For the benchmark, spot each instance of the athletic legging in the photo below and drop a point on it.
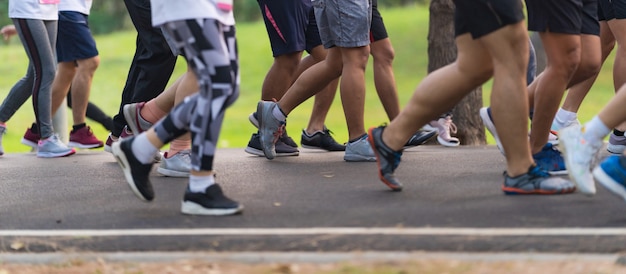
(39, 39)
(210, 49)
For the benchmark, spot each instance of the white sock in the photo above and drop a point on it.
(278, 114)
(198, 184)
(563, 117)
(143, 150)
(595, 130)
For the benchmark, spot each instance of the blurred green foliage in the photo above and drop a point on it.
(110, 15)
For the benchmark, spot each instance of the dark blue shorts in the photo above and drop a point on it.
(377, 30)
(563, 16)
(74, 39)
(481, 17)
(611, 9)
(291, 25)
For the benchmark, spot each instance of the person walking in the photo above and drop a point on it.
(36, 23)
(204, 31)
(481, 28)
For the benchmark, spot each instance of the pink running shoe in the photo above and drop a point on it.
(444, 126)
(84, 138)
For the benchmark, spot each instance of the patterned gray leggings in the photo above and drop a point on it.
(210, 49)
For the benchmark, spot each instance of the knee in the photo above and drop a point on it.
(89, 65)
(383, 56)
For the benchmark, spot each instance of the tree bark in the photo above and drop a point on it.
(441, 52)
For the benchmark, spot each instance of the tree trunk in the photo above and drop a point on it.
(441, 52)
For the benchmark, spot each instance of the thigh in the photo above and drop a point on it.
(481, 17)
(343, 23)
(558, 16)
(286, 22)
(74, 39)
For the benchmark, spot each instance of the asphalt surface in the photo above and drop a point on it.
(451, 202)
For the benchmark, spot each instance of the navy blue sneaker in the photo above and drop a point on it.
(612, 175)
(551, 160)
(420, 137)
(386, 158)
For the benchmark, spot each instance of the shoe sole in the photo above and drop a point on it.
(131, 119)
(431, 135)
(191, 208)
(120, 156)
(358, 158)
(29, 143)
(55, 155)
(517, 191)
(172, 173)
(258, 152)
(615, 149)
(610, 184)
(253, 120)
(484, 115)
(83, 146)
(370, 139)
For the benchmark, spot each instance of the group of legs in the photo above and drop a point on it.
(291, 33)
(71, 41)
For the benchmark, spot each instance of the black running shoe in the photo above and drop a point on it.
(136, 173)
(282, 149)
(420, 137)
(211, 202)
(321, 140)
(287, 140)
(386, 158)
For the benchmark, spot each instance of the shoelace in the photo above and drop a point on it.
(538, 172)
(449, 125)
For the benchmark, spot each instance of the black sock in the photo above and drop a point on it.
(34, 128)
(77, 127)
(618, 133)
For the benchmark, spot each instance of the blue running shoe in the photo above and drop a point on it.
(270, 128)
(551, 160)
(386, 158)
(612, 175)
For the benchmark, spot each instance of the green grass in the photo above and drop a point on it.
(408, 29)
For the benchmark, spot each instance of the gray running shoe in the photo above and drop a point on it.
(270, 128)
(536, 181)
(359, 151)
(178, 165)
(133, 118)
(321, 140)
(386, 158)
(282, 149)
(52, 147)
(617, 144)
(3, 129)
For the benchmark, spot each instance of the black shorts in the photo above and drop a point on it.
(74, 39)
(481, 17)
(611, 9)
(377, 29)
(290, 25)
(563, 16)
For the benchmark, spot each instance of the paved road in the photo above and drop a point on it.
(315, 202)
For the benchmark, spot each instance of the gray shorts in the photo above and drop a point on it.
(344, 23)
